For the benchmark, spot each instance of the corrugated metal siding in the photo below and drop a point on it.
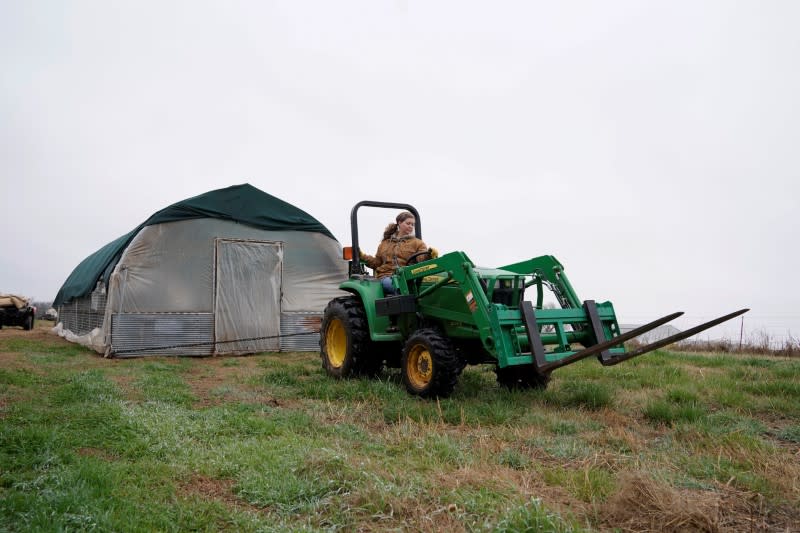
(82, 315)
(304, 324)
(141, 334)
(138, 334)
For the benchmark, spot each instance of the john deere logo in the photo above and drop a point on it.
(415, 271)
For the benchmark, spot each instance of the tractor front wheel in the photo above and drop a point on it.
(345, 346)
(430, 365)
(521, 377)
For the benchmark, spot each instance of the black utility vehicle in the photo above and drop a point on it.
(16, 311)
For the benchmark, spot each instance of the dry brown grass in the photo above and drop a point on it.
(643, 504)
(759, 343)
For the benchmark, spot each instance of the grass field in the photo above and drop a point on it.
(666, 442)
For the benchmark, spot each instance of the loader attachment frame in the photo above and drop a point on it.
(601, 348)
(517, 332)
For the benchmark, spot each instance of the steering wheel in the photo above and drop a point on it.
(414, 258)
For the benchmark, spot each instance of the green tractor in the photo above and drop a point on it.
(448, 313)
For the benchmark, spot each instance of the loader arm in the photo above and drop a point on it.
(501, 327)
(515, 332)
(546, 270)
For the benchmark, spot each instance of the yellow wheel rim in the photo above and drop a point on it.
(336, 343)
(420, 367)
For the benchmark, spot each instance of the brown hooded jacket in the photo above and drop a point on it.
(392, 253)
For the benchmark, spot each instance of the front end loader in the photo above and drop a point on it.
(448, 313)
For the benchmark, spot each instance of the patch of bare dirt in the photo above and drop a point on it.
(643, 504)
(209, 380)
(96, 452)
(220, 490)
(125, 384)
(15, 360)
(41, 331)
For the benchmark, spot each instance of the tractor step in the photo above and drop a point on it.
(395, 305)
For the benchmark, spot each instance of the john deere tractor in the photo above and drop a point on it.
(448, 313)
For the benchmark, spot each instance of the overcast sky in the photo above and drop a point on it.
(652, 147)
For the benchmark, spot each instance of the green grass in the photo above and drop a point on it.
(270, 443)
(791, 434)
(533, 516)
(589, 485)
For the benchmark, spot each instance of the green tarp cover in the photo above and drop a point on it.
(240, 203)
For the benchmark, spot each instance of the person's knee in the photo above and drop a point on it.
(388, 288)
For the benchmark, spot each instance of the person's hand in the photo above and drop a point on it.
(362, 255)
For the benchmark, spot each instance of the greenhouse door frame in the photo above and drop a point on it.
(248, 285)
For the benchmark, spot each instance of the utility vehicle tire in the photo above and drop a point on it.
(522, 377)
(28, 323)
(430, 365)
(345, 347)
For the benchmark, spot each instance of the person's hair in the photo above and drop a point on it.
(391, 229)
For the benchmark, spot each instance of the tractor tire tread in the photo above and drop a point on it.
(447, 364)
(360, 360)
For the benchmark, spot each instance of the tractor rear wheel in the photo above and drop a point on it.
(430, 365)
(522, 377)
(345, 346)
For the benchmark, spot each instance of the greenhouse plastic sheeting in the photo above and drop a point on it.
(243, 203)
(248, 287)
(244, 276)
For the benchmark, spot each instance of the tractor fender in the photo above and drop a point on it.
(368, 290)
